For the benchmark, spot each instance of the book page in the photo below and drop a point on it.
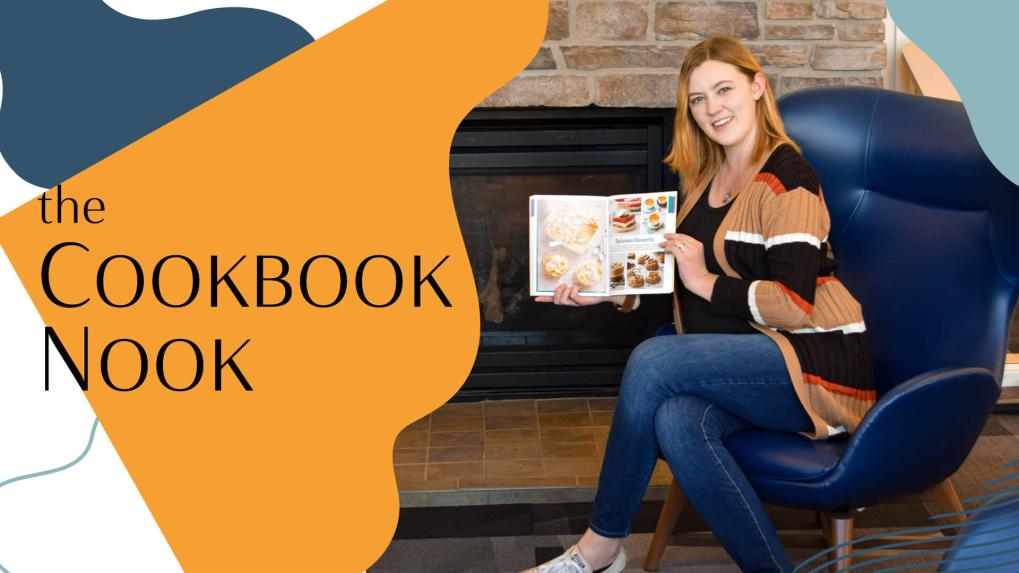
(637, 265)
(569, 243)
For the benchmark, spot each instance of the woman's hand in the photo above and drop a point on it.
(689, 253)
(568, 295)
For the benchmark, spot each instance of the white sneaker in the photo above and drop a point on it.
(573, 562)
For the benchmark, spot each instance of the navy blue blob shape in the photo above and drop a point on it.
(81, 80)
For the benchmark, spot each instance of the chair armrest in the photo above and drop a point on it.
(917, 435)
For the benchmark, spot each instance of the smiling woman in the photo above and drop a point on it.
(720, 128)
(770, 337)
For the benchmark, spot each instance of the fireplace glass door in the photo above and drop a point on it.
(497, 161)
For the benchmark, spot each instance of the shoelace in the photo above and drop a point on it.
(567, 560)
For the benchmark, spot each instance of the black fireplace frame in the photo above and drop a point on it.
(515, 129)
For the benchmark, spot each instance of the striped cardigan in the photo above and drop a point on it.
(779, 275)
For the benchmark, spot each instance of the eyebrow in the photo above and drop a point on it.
(712, 87)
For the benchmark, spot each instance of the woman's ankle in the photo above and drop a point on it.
(598, 550)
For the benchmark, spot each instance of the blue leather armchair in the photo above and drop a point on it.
(926, 232)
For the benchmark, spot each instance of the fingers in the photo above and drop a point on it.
(561, 292)
(680, 242)
(565, 295)
(674, 246)
(568, 295)
(679, 238)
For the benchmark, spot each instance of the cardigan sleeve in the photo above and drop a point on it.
(794, 225)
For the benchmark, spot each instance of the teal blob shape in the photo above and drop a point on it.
(975, 44)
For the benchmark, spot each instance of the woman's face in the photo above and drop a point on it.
(723, 102)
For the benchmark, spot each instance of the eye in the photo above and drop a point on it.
(724, 89)
(696, 100)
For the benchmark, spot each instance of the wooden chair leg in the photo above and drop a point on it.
(675, 503)
(944, 495)
(840, 530)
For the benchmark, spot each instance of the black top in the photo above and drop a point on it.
(702, 223)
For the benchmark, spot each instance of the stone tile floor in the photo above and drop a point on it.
(508, 444)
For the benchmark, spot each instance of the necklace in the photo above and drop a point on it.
(727, 194)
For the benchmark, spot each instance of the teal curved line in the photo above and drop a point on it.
(820, 555)
(992, 567)
(878, 536)
(1001, 479)
(915, 530)
(917, 553)
(859, 553)
(992, 494)
(975, 511)
(88, 447)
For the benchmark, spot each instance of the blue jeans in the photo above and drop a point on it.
(683, 396)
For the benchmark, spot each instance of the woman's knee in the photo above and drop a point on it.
(655, 348)
(646, 366)
(686, 420)
(679, 419)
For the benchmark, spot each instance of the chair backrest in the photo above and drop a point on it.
(925, 229)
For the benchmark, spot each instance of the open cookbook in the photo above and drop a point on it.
(608, 245)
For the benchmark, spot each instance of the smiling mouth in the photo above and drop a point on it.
(722, 122)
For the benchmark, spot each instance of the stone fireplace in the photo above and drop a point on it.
(592, 115)
(625, 53)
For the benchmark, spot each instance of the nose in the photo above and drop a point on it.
(714, 106)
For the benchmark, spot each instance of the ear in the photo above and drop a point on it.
(757, 85)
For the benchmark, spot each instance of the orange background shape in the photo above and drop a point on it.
(340, 149)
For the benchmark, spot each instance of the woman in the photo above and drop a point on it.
(771, 338)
